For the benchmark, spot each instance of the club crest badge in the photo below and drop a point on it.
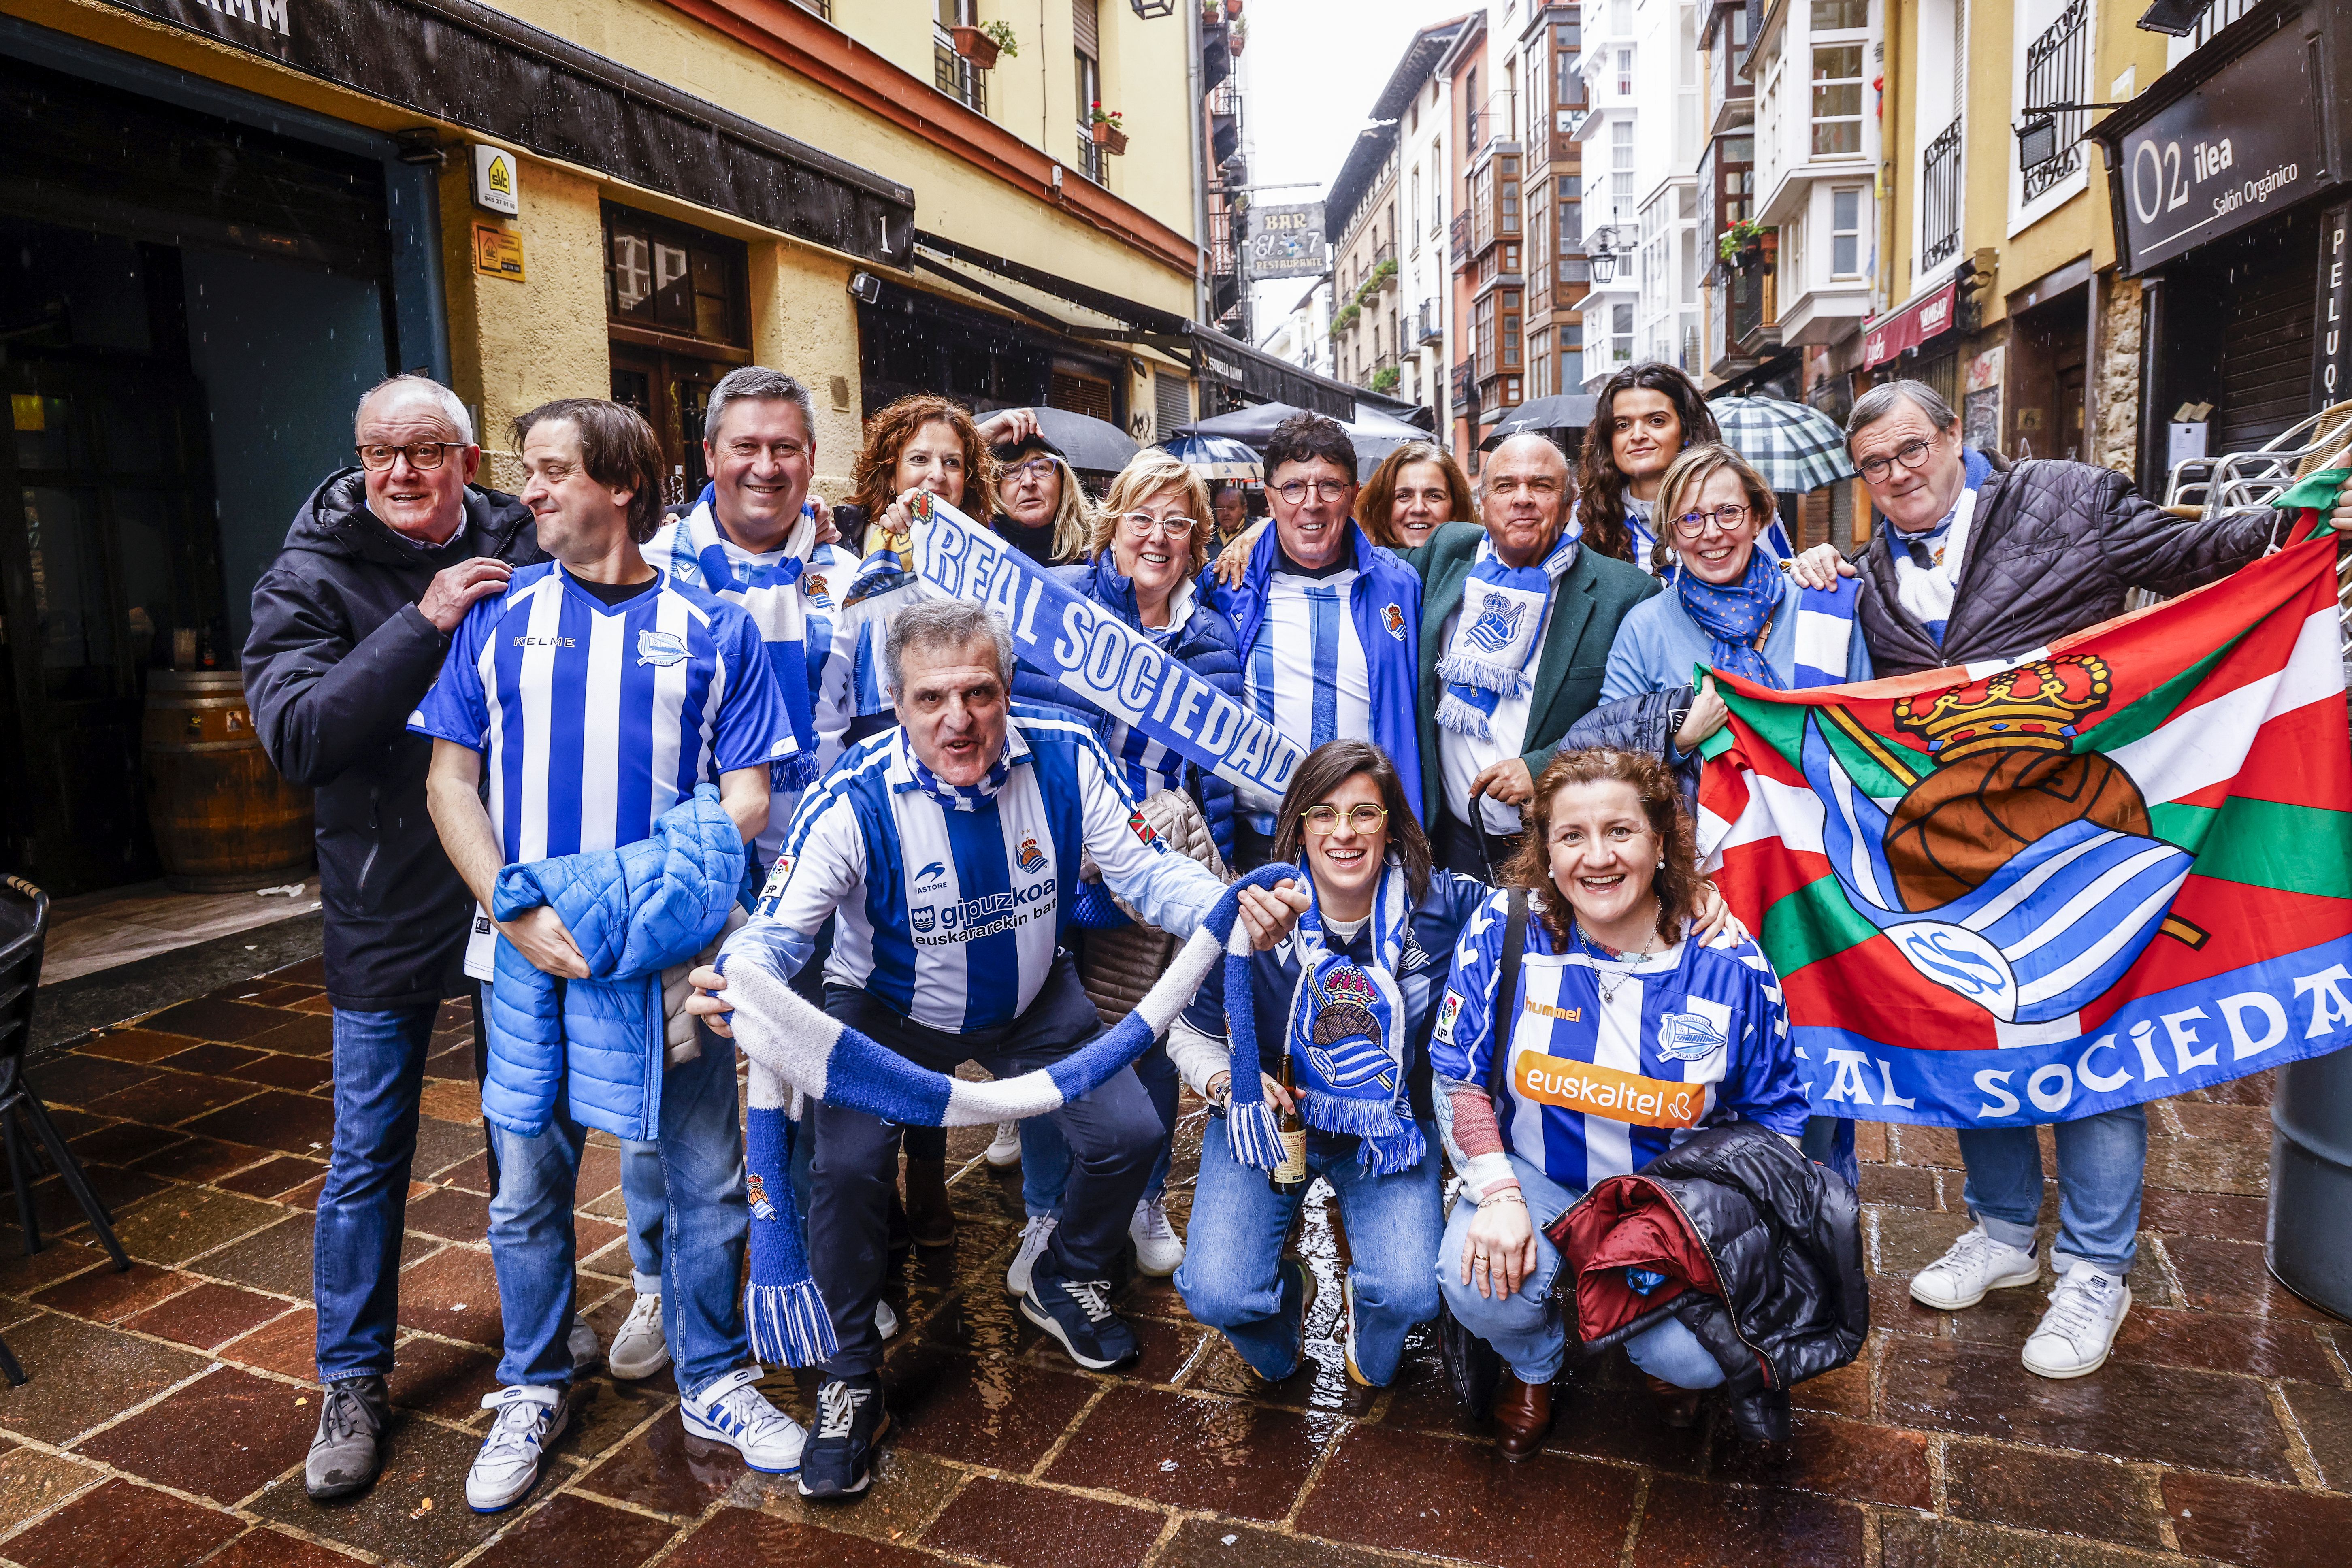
(756, 1191)
(1032, 859)
(1392, 617)
(1688, 1037)
(924, 917)
(660, 648)
(1497, 625)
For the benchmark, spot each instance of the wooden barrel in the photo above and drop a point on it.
(225, 822)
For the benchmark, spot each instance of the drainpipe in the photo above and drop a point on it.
(2090, 365)
(1195, 109)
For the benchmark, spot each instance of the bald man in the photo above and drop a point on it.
(351, 624)
(1515, 624)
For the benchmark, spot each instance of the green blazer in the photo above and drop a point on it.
(1592, 598)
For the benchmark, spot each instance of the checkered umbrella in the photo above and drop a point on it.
(1795, 447)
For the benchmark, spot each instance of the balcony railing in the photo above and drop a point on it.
(1431, 320)
(2054, 70)
(1461, 228)
(1940, 218)
(956, 76)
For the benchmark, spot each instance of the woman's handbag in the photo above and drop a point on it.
(1472, 1367)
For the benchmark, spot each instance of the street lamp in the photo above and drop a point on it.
(1605, 267)
(1607, 247)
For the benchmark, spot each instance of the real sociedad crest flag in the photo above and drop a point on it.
(2117, 868)
(1094, 655)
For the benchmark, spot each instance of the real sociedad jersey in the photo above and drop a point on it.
(1305, 673)
(1594, 1089)
(595, 720)
(951, 917)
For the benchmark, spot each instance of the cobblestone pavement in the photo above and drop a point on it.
(170, 1407)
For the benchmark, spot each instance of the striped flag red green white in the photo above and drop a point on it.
(2117, 868)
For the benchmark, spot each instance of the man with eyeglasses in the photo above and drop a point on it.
(1327, 621)
(351, 624)
(1516, 623)
(1981, 563)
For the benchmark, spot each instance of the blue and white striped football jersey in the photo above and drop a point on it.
(951, 918)
(593, 721)
(1594, 1089)
(1306, 672)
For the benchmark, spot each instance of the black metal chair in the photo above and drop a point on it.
(24, 929)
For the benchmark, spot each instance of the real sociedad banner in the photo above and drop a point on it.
(1096, 656)
(2118, 869)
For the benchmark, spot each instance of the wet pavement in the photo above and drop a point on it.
(170, 1407)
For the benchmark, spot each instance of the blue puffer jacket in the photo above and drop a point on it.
(634, 912)
(1645, 721)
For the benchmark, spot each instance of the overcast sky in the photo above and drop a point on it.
(1311, 72)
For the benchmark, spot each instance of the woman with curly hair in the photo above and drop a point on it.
(923, 442)
(1630, 1030)
(1417, 489)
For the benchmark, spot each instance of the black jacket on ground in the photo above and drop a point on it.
(339, 657)
(1784, 1237)
(2052, 548)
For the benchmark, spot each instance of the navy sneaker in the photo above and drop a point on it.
(1077, 1313)
(838, 1464)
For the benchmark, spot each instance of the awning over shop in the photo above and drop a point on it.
(1931, 316)
(468, 65)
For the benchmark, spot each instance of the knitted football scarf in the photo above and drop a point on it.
(1495, 642)
(1738, 616)
(795, 1049)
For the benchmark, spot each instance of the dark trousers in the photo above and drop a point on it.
(1114, 1134)
(1455, 847)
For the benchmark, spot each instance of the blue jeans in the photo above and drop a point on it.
(1525, 1328)
(704, 1224)
(379, 1062)
(1046, 1153)
(646, 1200)
(1232, 1278)
(2102, 1161)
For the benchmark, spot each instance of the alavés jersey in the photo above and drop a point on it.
(1305, 673)
(951, 918)
(1594, 1089)
(595, 720)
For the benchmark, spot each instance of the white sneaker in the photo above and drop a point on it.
(2075, 1334)
(638, 1348)
(731, 1410)
(885, 1321)
(586, 1354)
(1972, 1265)
(528, 1419)
(1033, 1237)
(1157, 1248)
(1004, 1149)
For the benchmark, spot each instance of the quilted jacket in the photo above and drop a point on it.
(2053, 548)
(634, 912)
(1645, 722)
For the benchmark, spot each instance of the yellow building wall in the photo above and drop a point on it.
(803, 315)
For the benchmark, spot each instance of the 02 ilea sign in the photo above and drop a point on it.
(2240, 146)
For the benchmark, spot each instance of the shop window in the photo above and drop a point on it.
(1845, 233)
(1837, 99)
(673, 278)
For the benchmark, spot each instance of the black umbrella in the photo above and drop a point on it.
(1085, 443)
(1560, 411)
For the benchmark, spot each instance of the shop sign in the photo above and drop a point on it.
(2240, 146)
(494, 180)
(498, 251)
(1287, 241)
(1911, 326)
(2331, 367)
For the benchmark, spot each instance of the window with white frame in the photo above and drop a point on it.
(1845, 232)
(1836, 99)
(1620, 170)
(1571, 353)
(1624, 73)
(1621, 334)
(1413, 206)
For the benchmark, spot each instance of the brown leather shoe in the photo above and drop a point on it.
(930, 1220)
(1522, 1412)
(1677, 1407)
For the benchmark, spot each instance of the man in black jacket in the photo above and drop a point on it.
(351, 624)
(1976, 564)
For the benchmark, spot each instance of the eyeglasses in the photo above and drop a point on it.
(1141, 523)
(423, 455)
(1323, 821)
(1911, 454)
(1726, 517)
(1324, 489)
(1035, 469)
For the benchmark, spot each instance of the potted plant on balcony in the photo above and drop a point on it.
(981, 45)
(1742, 244)
(1234, 8)
(1385, 379)
(1110, 132)
(1236, 35)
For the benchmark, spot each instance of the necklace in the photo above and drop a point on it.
(1597, 950)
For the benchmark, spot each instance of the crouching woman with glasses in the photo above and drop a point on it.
(1348, 999)
(1626, 1032)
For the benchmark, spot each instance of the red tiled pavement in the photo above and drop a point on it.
(170, 1407)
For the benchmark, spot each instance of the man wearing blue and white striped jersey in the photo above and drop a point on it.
(941, 849)
(596, 694)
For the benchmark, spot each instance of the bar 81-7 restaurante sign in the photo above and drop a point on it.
(2239, 146)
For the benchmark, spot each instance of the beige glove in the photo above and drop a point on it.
(681, 1041)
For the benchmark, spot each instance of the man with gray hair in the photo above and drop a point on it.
(351, 624)
(942, 849)
(1980, 563)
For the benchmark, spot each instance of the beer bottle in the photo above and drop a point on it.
(1289, 1178)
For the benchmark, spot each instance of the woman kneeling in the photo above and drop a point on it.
(1628, 1032)
(1349, 998)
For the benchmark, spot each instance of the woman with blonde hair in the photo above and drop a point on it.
(1041, 510)
(1417, 489)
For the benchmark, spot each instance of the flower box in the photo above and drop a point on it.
(975, 46)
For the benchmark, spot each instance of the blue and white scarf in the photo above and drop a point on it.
(768, 586)
(1499, 636)
(962, 797)
(797, 1050)
(1927, 565)
(1738, 618)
